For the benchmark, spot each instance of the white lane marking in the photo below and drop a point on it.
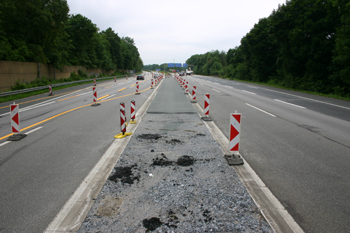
(109, 97)
(29, 108)
(43, 103)
(33, 130)
(37, 106)
(228, 86)
(335, 105)
(249, 92)
(289, 103)
(252, 87)
(4, 143)
(260, 110)
(85, 93)
(216, 90)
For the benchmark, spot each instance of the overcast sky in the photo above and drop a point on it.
(172, 31)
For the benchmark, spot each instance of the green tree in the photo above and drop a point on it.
(30, 30)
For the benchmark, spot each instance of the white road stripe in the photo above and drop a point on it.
(249, 92)
(109, 97)
(216, 90)
(228, 86)
(29, 108)
(252, 87)
(33, 130)
(37, 106)
(308, 99)
(260, 110)
(289, 103)
(4, 143)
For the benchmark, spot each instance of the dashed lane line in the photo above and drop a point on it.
(102, 97)
(260, 110)
(29, 132)
(289, 103)
(249, 92)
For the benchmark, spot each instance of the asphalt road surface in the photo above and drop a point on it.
(39, 173)
(299, 145)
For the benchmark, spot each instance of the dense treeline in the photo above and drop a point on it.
(304, 44)
(43, 31)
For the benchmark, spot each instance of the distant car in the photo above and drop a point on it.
(140, 77)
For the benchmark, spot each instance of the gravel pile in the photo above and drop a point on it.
(172, 177)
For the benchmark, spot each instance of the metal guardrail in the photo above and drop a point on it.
(46, 86)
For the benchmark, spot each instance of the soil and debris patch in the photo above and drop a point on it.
(151, 224)
(170, 185)
(124, 174)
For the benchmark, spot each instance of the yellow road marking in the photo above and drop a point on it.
(108, 87)
(102, 97)
(122, 89)
(71, 110)
(67, 98)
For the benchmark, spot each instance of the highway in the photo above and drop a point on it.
(298, 144)
(39, 173)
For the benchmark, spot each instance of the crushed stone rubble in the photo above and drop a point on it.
(172, 177)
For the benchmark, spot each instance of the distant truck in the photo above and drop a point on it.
(189, 71)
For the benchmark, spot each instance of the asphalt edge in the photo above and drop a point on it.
(72, 214)
(270, 207)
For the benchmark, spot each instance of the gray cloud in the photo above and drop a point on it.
(167, 30)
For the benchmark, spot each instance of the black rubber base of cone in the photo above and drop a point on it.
(193, 101)
(206, 118)
(137, 93)
(186, 93)
(50, 95)
(96, 104)
(234, 160)
(17, 137)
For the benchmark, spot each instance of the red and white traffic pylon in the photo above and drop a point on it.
(122, 123)
(132, 112)
(14, 113)
(94, 96)
(115, 79)
(235, 133)
(194, 97)
(206, 107)
(206, 104)
(137, 88)
(94, 82)
(122, 118)
(152, 83)
(50, 90)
